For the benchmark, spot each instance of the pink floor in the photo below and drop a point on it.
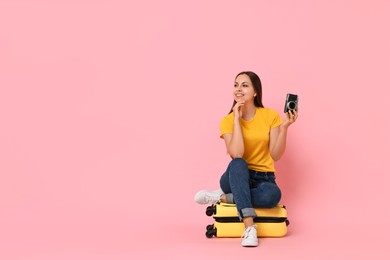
(111, 235)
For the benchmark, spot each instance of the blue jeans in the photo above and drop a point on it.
(249, 189)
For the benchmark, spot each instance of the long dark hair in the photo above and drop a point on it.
(256, 83)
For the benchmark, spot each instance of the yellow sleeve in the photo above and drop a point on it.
(226, 125)
(275, 119)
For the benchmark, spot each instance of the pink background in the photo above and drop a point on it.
(110, 120)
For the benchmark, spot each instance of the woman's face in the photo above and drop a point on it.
(243, 89)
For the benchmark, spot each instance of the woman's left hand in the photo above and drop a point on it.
(291, 117)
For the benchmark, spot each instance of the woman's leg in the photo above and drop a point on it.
(235, 184)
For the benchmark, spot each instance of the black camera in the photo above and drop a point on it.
(291, 103)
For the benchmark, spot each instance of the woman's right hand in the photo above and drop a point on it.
(237, 109)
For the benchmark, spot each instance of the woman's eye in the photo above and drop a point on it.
(245, 86)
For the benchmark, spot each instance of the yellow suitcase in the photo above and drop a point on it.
(271, 222)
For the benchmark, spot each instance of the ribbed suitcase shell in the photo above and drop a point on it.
(271, 222)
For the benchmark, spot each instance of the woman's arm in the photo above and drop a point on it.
(235, 141)
(278, 136)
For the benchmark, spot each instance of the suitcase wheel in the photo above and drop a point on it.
(210, 227)
(210, 210)
(210, 233)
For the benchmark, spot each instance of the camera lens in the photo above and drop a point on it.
(291, 105)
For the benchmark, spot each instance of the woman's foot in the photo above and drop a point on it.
(250, 237)
(208, 197)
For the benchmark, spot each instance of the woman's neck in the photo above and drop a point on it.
(248, 112)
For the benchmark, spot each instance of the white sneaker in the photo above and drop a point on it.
(250, 237)
(208, 197)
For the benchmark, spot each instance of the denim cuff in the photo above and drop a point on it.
(247, 212)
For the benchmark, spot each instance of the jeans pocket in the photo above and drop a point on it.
(256, 181)
(252, 183)
(271, 178)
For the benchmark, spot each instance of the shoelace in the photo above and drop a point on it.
(213, 198)
(247, 231)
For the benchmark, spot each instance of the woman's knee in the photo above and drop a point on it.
(275, 197)
(238, 165)
(267, 196)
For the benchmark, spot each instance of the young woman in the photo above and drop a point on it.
(255, 137)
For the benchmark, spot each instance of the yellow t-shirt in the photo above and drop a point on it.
(256, 137)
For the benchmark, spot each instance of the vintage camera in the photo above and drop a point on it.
(291, 103)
